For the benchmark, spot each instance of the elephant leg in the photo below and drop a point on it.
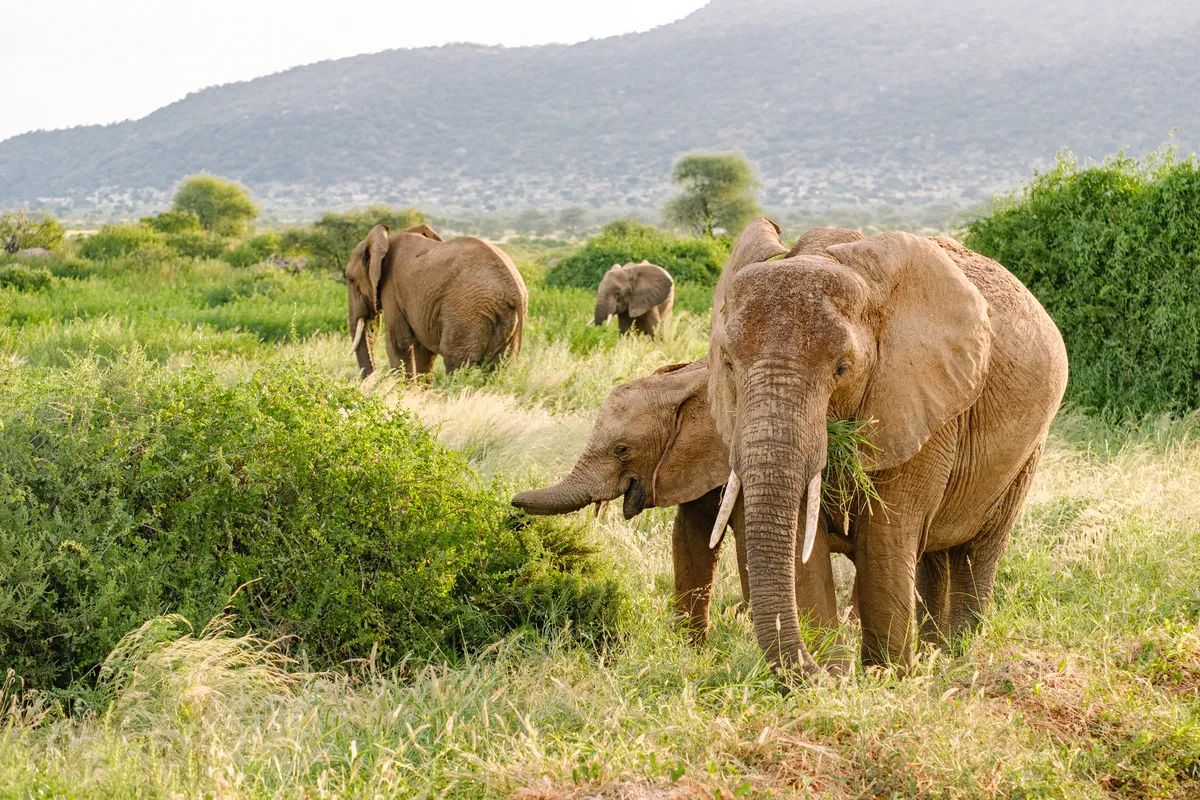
(399, 341)
(423, 358)
(695, 563)
(887, 545)
(624, 323)
(973, 565)
(933, 599)
(464, 340)
(647, 323)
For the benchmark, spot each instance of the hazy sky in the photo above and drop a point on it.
(77, 62)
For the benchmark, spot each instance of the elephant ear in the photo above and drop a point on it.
(817, 241)
(376, 248)
(424, 230)
(695, 460)
(934, 341)
(651, 286)
(758, 242)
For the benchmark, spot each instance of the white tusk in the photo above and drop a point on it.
(358, 334)
(732, 488)
(813, 509)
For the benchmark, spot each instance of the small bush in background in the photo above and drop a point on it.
(254, 251)
(196, 244)
(688, 260)
(24, 278)
(116, 241)
(132, 491)
(173, 222)
(1113, 252)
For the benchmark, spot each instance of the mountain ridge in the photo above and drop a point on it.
(860, 102)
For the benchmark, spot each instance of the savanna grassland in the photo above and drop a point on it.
(1082, 682)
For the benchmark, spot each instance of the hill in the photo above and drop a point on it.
(937, 100)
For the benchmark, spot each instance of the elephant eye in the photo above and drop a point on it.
(621, 450)
(843, 364)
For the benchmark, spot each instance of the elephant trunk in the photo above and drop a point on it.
(361, 316)
(783, 441)
(570, 494)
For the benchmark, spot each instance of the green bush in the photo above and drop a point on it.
(74, 268)
(19, 231)
(115, 241)
(131, 491)
(1112, 251)
(196, 244)
(330, 240)
(173, 222)
(24, 278)
(688, 260)
(254, 251)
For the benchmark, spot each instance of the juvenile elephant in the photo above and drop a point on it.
(641, 295)
(959, 368)
(463, 300)
(654, 441)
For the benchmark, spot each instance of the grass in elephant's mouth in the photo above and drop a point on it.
(847, 486)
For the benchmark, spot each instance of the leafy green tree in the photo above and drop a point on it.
(19, 231)
(222, 206)
(688, 260)
(716, 191)
(535, 221)
(573, 220)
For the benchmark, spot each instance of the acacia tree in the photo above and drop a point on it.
(573, 219)
(223, 207)
(717, 191)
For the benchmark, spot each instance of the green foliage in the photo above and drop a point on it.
(222, 206)
(330, 240)
(254, 251)
(196, 243)
(534, 221)
(19, 231)
(130, 491)
(1112, 252)
(116, 241)
(716, 191)
(688, 260)
(24, 278)
(173, 221)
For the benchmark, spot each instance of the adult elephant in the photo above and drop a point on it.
(641, 295)
(960, 370)
(654, 441)
(463, 300)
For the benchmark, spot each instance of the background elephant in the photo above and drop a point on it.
(654, 441)
(959, 368)
(463, 300)
(641, 295)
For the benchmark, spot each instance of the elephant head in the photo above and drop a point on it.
(653, 442)
(364, 274)
(886, 329)
(632, 289)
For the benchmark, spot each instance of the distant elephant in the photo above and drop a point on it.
(958, 367)
(641, 295)
(463, 300)
(654, 441)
